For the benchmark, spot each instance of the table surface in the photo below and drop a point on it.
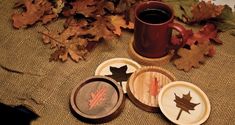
(45, 86)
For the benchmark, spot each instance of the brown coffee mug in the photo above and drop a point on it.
(153, 29)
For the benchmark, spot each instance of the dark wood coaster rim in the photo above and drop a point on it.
(98, 119)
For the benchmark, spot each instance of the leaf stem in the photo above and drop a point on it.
(179, 114)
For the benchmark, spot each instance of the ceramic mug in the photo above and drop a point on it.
(153, 29)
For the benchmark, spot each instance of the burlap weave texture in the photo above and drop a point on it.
(45, 86)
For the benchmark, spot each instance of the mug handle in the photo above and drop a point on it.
(180, 28)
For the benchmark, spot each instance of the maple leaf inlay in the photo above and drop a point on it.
(97, 97)
(154, 87)
(119, 74)
(184, 104)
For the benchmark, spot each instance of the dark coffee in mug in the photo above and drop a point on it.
(154, 16)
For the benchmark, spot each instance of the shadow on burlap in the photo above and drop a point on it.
(45, 86)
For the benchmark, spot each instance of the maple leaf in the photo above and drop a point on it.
(119, 22)
(98, 97)
(119, 74)
(192, 57)
(184, 104)
(154, 87)
(205, 10)
(84, 7)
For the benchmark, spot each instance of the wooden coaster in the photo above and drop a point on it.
(97, 99)
(145, 84)
(148, 61)
(120, 69)
(183, 103)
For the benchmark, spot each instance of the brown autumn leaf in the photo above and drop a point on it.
(184, 104)
(67, 43)
(119, 22)
(84, 7)
(101, 28)
(97, 97)
(34, 11)
(191, 58)
(103, 6)
(206, 34)
(205, 10)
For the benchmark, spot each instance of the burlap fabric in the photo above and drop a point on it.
(45, 86)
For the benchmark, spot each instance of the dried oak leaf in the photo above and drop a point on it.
(124, 5)
(119, 22)
(84, 7)
(67, 43)
(34, 11)
(206, 34)
(103, 6)
(72, 22)
(101, 28)
(205, 10)
(192, 57)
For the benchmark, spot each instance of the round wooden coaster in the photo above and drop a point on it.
(120, 69)
(183, 103)
(97, 99)
(145, 84)
(148, 61)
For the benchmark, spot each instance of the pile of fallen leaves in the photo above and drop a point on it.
(87, 22)
(91, 21)
(200, 44)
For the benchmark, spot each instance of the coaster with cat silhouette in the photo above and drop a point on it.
(120, 69)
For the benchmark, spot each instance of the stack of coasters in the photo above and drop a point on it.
(101, 98)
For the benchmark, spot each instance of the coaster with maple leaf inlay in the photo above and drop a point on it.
(97, 99)
(120, 69)
(183, 103)
(145, 84)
